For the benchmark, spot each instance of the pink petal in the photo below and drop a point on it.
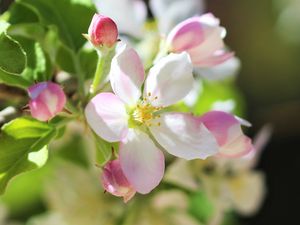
(214, 60)
(106, 114)
(170, 80)
(47, 100)
(39, 110)
(212, 43)
(186, 35)
(227, 130)
(142, 163)
(184, 136)
(127, 75)
(115, 182)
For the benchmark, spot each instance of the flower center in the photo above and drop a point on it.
(145, 112)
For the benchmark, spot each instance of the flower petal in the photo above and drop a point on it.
(216, 59)
(186, 35)
(107, 116)
(115, 182)
(169, 80)
(142, 163)
(127, 75)
(229, 68)
(227, 130)
(184, 136)
(212, 43)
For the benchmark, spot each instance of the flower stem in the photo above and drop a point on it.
(102, 70)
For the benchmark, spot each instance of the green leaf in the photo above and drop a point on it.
(39, 67)
(12, 60)
(12, 56)
(104, 150)
(65, 60)
(23, 144)
(21, 205)
(14, 80)
(201, 207)
(33, 31)
(3, 26)
(21, 13)
(88, 59)
(64, 15)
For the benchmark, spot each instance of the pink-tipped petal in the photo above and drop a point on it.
(46, 100)
(212, 43)
(115, 182)
(142, 163)
(202, 37)
(227, 130)
(186, 35)
(215, 59)
(170, 80)
(39, 110)
(127, 75)
(106, 114)
(184, 136)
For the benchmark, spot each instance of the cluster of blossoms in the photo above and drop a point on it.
(139, 111)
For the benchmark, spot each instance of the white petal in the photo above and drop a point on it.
(142, 163)
(170, 79)
(127, 74)
(107, 116)
(184, 136)
(229, 68)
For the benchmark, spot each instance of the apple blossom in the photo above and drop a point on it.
(115, 182)
(46, 100)
(102, 31)
(130, 116)
(202, 37)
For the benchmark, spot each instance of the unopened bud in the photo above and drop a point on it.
(46, 100)
(115, 182)
(102, 31)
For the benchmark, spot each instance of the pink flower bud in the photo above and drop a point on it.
(202, 38)
(103, 31)
(46, 100)
(115, 182)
